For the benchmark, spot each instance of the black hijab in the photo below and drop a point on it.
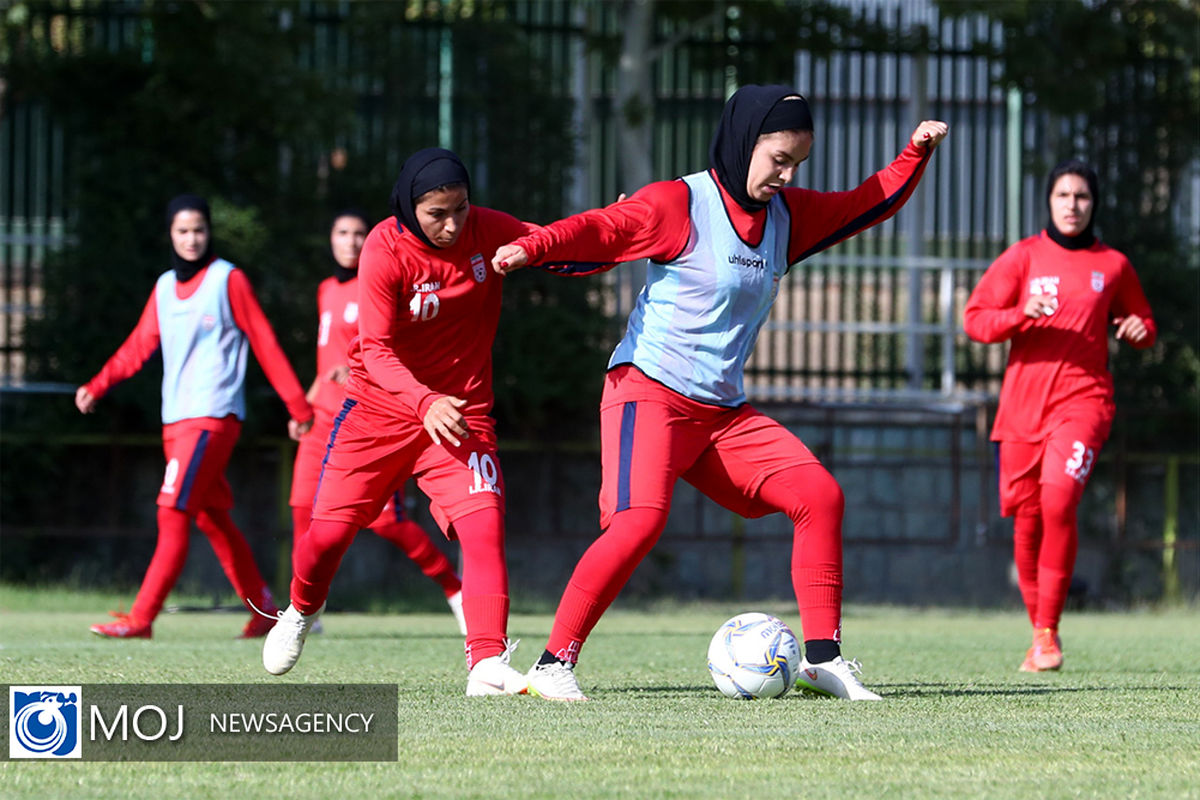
(749, 113)
(344, 274)
(1086, 237)
(424, 171)
(186, 270)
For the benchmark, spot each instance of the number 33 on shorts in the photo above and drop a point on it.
(1079, 465)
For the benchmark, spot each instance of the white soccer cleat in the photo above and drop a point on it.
(555, 681)
(455, 603)
(836, 678)
(494, 676)
(285, 642)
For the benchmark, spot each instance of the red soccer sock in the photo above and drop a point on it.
(315, 560)
(1027, 543)
(1056, 563)
(813, 500)
(412, 539)
(169, 556)
(484, 582)
(233, 551)
(600, 575)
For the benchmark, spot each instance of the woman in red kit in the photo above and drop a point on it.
(337, 308)
(1053, 296)
(719, 242)
(417, 403)
(202, 315)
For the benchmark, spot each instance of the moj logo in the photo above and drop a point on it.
(43, 721)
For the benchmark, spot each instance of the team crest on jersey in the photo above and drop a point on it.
(208, 322)
(350, 314)
(1097, 281)
(479, 268)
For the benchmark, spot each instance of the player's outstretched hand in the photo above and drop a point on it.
(443, 419)
(1132, 329)
(85, 401)
(508, 258)
(929, 133)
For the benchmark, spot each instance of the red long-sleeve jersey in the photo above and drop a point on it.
(428, 316)
(337, 305)
(143, 342)
(655, 222)
(1058, 364)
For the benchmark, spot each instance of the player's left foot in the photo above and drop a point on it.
(123, 628)
(1027, 665)
(555, 681)
(836, 678)
(493, 675)
(455, 603)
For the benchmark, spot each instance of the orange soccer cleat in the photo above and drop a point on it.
(1046, 652)
(125, 627)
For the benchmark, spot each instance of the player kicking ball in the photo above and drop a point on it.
(673, 406)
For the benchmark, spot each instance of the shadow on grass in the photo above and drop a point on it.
(900, 690)
(889, 691)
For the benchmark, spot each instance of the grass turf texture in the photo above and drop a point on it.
(1121, 720)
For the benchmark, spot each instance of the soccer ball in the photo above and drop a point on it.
(754, 655)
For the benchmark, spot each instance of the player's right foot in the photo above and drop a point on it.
(1047, 650)
(123, 628)
(455, 603)
(555, 681)
(1027, 665)
(285, 642)
(836, 678)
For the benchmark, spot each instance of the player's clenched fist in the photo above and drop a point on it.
(929, 133)
(509, 257)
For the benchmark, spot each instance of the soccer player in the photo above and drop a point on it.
(1053, 296)
(337, 307)
(417, 404)
(201, 314)
(673, 406)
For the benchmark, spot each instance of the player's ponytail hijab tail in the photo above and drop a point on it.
(184, 269)
(1087, 237)
(749, 113)
(424, 171)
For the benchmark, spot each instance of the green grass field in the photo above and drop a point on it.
(1121, 720)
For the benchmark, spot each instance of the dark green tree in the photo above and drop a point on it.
(282, 113)
(201, 97)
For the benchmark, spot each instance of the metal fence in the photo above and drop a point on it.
(876, 318)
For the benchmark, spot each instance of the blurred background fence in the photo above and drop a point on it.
(285, 111)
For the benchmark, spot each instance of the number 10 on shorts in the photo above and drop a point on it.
(486, 473)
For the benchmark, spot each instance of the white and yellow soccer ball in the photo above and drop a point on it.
(754, 655)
